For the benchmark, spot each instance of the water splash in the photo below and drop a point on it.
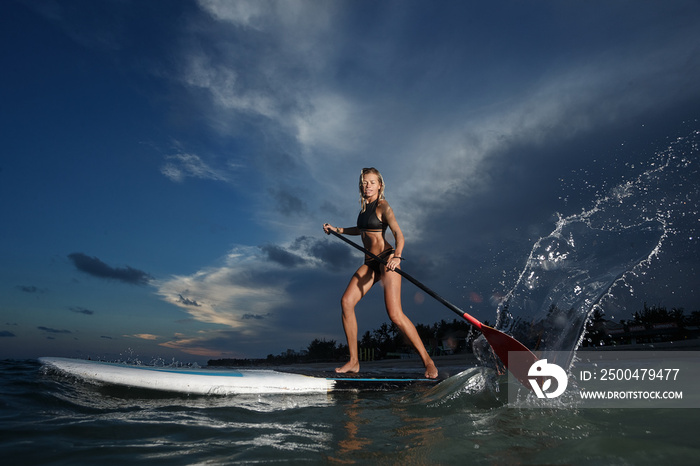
(608, 256)
(474, 388)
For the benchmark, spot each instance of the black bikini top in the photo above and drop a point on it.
(368, 220)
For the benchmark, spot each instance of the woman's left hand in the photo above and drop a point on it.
(393, 262)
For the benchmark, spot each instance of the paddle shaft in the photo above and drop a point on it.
(442, 300)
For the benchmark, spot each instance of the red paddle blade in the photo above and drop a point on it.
(502, 344)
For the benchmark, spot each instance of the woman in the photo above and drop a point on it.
(376, 215)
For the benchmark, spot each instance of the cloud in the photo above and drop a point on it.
(255, 316)
(246, 283)
(27, 289)
(243, 13)
(287, 203)
(278, 95)
(82, 310)
(282, 256)
(251, 286)
(337, 255)
(30, 289)
(53, 330)
(205, 344)
(95, 267)
(181, 166)
(188, 302)
(6, 334)
(331, 122)
(143, 336)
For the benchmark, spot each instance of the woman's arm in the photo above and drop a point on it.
(341, 231)
(387, 216)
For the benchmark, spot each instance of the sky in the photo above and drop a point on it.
(166, 166)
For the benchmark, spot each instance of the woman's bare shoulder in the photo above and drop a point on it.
(383, 209)
(383, 204)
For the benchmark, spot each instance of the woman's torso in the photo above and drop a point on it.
(372, 229)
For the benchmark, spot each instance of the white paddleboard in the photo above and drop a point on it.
(216, 381)
(194, 381)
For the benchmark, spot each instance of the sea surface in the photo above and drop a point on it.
(50, 418)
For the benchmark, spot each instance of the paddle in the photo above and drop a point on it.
(501, 343)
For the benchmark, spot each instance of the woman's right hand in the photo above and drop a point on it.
(327, 227)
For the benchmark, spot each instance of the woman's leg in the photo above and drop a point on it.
(359, 285)
(392, 298)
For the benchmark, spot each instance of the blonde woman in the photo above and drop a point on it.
(376, 215)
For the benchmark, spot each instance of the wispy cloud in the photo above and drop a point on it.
(181, 166)
(143, 336)
(82, 310)
(95, 267)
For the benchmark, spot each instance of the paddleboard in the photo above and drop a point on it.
(223, 381)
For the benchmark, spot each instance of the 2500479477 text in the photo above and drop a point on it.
(612, 375)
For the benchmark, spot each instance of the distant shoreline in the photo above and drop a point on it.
(677, 345)
(456, 362)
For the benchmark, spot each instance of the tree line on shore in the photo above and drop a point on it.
(652, 323)
(451, 337)
(387, 341)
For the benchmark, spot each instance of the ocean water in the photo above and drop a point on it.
(49, 418)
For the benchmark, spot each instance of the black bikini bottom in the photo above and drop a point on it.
(374, 264)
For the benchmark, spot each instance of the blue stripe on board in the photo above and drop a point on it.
(378, 379)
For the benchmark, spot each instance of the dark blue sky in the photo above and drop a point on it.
(166, 165)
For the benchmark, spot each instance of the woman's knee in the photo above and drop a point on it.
(396, 315)
(347, 302)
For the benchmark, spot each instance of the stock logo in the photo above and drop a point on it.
(540, 376)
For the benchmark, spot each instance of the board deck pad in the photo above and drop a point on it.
(368, 380)
(218, 381)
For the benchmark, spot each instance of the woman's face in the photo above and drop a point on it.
(370, 185)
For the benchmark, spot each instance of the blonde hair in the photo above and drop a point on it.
(374, 171)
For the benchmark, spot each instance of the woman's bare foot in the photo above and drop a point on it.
(431, 371)
(350, 366)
